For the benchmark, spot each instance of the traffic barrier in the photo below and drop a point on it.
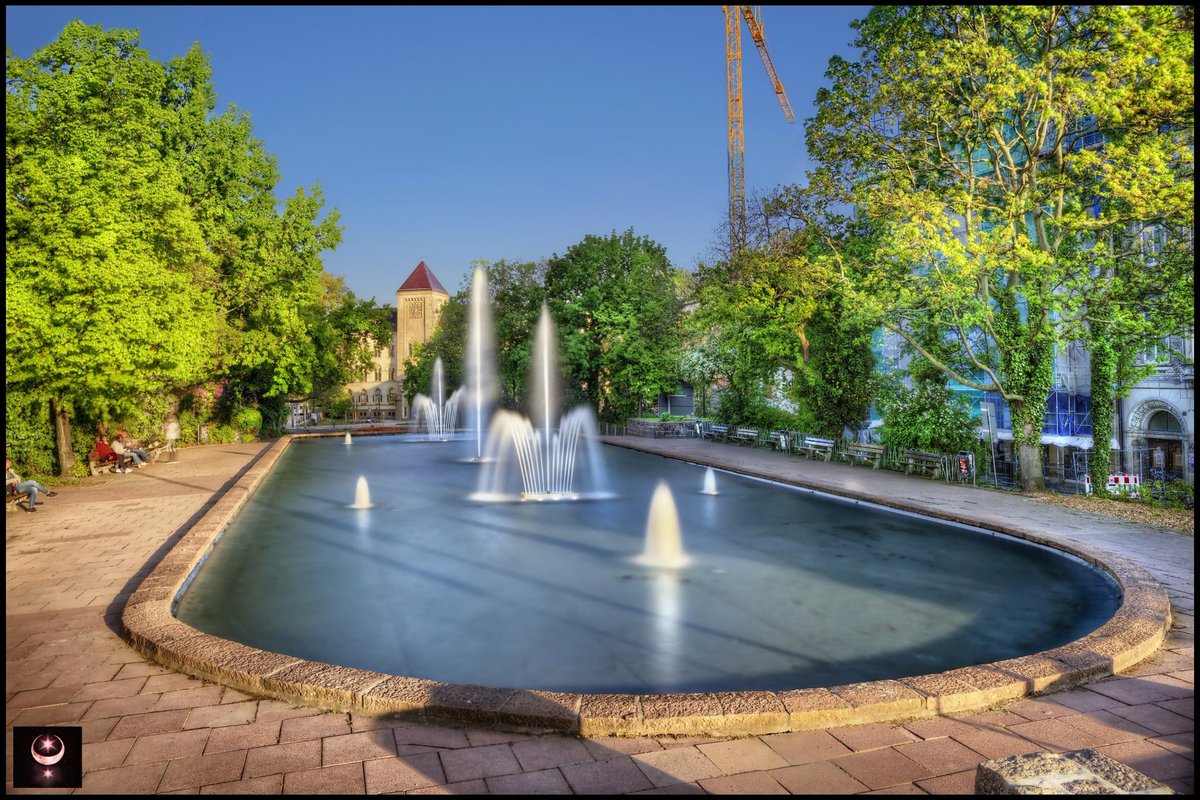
(1121, 483)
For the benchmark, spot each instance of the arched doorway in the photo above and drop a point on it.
(1164, 441)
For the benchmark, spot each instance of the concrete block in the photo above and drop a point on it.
(1077, 772)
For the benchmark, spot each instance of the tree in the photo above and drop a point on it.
(108, 281)
(997, 150)
(517, 291)
(345, 332)
(614, 302)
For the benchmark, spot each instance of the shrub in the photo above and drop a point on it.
(247, 421)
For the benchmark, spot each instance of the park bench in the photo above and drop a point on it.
(816, 447)
(11, 498)
(745, 436)
(104, 458)
(779, 440)
(863, 454)
(931, 464)
(716, 432)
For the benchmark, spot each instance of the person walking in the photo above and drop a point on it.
(171, 433)
(14, 485)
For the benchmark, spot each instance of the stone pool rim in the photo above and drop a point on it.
(1136, 630)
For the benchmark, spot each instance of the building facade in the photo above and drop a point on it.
(379, 395)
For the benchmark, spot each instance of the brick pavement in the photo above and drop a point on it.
(70, 567)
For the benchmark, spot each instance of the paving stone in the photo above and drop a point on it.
(357, 747)
(1148, 758)
(267, 784)
(1108, 728)
(242, 737)
(616, 776)
(880, 769)
(316, 727)
(677, 765)
(743, 783)
(346, 779)
(138, 779)
(940, 755)
(546, 781)
(872, 737)
(166, 746)
(284, 758)
(549, 751)
(187, 773)
(819, 777)
(149, 724)
(479, 762)
(1056, 735)
(959, 783)
(805, 746)
(1154, 717)
(404, 773)
(741, 755)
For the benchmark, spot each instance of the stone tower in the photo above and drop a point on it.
(419, 302)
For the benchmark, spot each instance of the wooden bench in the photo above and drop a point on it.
(745, 436)
(931, 464)
(104, 458)
(779, 440)
(864, 454)
(11, 498)
(816, 447)
(716, 433)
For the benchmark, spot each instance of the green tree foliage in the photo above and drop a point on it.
(998, 150)
(145, 252)
(926, 416)
(108, 281)
(771, 311)
(346, 333)
(837, 382)
(614, 302)
(517, 292)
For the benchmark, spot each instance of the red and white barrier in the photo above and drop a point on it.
(1123, 484)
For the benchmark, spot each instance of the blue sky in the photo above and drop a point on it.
(449, 134)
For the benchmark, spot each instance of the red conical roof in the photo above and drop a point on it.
(422, 279)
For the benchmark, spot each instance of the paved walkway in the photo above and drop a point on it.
(70, 567)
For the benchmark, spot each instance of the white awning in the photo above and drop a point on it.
(1082, 442)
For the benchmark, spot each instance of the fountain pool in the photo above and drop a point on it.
(782, 588)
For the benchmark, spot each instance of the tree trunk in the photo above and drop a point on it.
(62, 438)
(1029, 460)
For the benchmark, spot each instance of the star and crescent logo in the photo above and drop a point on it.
(47, 757)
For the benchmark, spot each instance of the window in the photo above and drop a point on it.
(1164, 422)
(378, 396)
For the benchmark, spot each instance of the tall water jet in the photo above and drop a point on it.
(347, 437)
(664, 541)
(546, 457)
(710, 482)
(440, 414)
(362, 497)
(480, 359)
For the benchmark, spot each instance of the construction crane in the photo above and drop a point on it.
(737, 142)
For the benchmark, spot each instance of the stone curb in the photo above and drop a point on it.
(1137, 630)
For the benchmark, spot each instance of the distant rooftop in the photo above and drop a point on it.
(422, 279)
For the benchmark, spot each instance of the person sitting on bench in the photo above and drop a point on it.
(123, 445)
(14, 485)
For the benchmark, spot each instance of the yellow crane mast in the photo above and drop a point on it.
(737, 142)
